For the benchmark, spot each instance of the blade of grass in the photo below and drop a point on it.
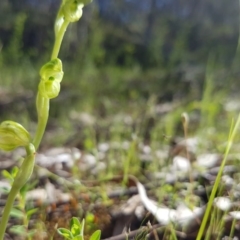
(232, 133)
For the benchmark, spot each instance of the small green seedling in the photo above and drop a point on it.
(76, 231)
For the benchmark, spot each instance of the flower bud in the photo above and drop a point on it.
(49, 88)
(72, 10)
(52, 70)
(13, 135)
(51, 75)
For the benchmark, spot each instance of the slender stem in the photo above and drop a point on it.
(22, 177)
(10, 200)
(58, 39)
(42, 104)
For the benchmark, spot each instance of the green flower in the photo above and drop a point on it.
(13, 135)
(51, 76)
(52, 70)
(72, 10)
(49, 89)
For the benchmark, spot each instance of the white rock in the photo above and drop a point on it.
(228, 180)
(181, 164)
(146, 149)
(99, 167)
(208, 160)
(89, 159)
(58, 156)
(223, 203)
(232, 105)
(235, 214)
(185, 215)
(103, 147)
(76, 153)
(191, 144)
(125, 145)
(140, 212)
(37, 194)
(101, 155)
(130, 206)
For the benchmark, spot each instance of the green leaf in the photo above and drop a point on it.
(96, 235)
(30, 212)
(75, 226)
(65, 233)
(31, 232)
(7, 175)
(16, 213)
(19, 230)
(14, 171)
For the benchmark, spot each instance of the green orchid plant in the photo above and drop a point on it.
(13, 134)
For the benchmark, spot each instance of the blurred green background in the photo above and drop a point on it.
(122, 56)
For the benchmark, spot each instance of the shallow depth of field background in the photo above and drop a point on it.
(144, 61)
(131, 69)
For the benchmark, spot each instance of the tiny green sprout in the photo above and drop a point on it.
(65, 233)
(76, 231)
(10, 175)
(76, 226)
(13, 135)
(96, 235)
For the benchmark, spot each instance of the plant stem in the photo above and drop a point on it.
(10, 200)
(42, 105)
(24, 173)
(58, 40)
(42, 102)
